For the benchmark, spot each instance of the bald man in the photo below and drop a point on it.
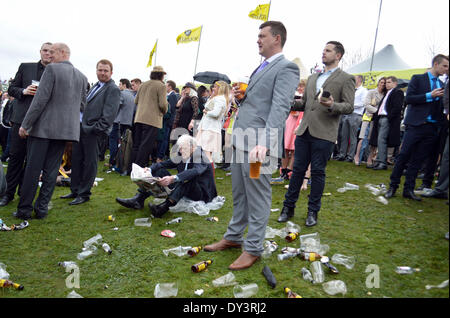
(52, 120)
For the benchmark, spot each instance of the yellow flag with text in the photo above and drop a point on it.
(261, 12)
(151, 54)
(191, 35)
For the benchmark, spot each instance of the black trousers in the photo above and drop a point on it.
(84, 164)
(144, 142)
(314, 151)
(43, 155)
(189, 189)
(417, 145)
(16, 164)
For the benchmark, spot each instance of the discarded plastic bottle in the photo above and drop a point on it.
(317, 272)
(292, 236)
(5, 283)
(66, 264)
(310, 256)
(88, 252)
(93, 240)
(282, 257)
(406, 270)
(290, 293)
(326, 261)
(213, 219)
(194, 251)
(107, 248)
(177, 220)
(289, 249)
(111, 218)
(307, 275)
(201, 266)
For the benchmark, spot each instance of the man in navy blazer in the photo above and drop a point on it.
(23, 91)
(424, 98)
(97, 118)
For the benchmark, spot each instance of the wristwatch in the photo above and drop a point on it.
(176, 178)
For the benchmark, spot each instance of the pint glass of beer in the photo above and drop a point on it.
(255, 169)
(242, 87)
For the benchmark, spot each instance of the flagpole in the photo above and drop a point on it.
(268, 12)
(376, 35)
(198, 49)
(156, 50)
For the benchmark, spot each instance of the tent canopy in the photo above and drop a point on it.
(385, 60)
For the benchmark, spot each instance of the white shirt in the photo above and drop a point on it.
(360, 97)
(323, 77)
(382, 110)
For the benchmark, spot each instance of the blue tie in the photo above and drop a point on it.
(261, 67)
(94, 90)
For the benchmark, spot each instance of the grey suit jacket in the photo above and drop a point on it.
(54, 111)
(101, 110)
(323, 122)
(126, 109)
(262, 115)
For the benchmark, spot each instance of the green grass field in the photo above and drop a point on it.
(351, 223)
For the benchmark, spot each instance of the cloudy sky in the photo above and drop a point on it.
(125, 32)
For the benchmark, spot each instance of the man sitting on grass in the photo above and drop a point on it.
(195, 179)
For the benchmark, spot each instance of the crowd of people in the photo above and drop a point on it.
(57, 127)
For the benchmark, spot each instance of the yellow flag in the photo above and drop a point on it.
(261, 12)
(151, 54)
(192, 35)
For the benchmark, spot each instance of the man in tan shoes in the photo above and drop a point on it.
(263, 112)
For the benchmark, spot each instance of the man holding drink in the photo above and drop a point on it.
(22, 88)
(257, 134)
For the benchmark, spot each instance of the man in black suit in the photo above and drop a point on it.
(97, 118)
(387, 122)
(424, 115)
(195, 178)
(23, 91)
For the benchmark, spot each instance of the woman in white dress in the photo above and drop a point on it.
(209, 135)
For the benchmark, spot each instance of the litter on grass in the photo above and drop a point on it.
(178, 251)
(166, 290)
(198, 207)
(224, 281)
(441, 285)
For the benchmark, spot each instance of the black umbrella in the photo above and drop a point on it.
(402, 83)
(211, 77)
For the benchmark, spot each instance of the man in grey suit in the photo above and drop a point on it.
(96, 121)
(124, 119)
(50, 122)
(318, 130)
(257, 135)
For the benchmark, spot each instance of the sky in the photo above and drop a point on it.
(124, 32)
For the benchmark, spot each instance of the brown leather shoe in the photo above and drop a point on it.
(221, 245)
(244, 261)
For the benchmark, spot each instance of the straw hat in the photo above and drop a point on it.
(158, 69)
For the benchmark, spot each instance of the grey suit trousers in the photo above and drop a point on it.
(383, 134)
(252, 199)
(442, 185)
(42, 155)
(349, 135)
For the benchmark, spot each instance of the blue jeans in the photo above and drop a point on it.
(309, 149)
